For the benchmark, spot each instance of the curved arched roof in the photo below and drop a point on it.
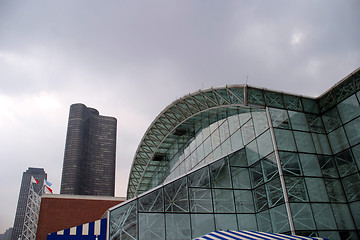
(165, 128)
(167, 122)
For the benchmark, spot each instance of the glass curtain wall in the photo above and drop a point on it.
(234, 170)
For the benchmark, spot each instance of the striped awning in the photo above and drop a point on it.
(217, 235)
(95, 230)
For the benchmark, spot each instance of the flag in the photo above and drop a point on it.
(48, 190)
(47, 183)
(33, 180)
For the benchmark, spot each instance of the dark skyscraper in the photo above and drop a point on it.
(40, 175)
(89, 161)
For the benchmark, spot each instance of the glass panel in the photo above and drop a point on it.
(352, 130)
(260, 198)
(202, 224)
(274, 99)
(151, 226)
(247, 221)
(338, 140)
(215, 125)
(321, 143)
(220, 174)
(310, 165)
(200, 152)
(224, 131)
(206, 130)
(331, 119)
(215, 139)
(279, 118)
(290, 163)
(244, 117)
(152, 202)
(326, 102)
(255, 96)
(225, 222)
(236, 140)
(304, 142)
(264, 221)
(351, 186)
(302, 216)
(333, 235)
(309, 233)
(270, 168)
(345, 163)
(236, 94)
(357, 81)
(295, 187)
(176, 197)
(234, 123)
(335, 190)
(285, 140)
(244, 201)
(223, 200)
(177, 226)
(343, 90)
(356, 152)
(349, 235)
(226, 147)
(240, 178)
(343, 216)
(260, 122)
(200, 200)
(349, 109)
(316, 189)
(355, 209)
(123, 222)
(248, 132)
(323, 215)
(298, 121)
(327, 166)
(292, 102)
(256, 175)
(279, 219)
(238, 159)
(310, 105)
(315, 123)
(252, 153)
(207, 146)
(265, 144)
(200, 178)
(275, 193)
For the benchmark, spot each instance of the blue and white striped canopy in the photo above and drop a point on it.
(219, 235)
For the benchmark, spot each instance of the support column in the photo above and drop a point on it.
(281, 174)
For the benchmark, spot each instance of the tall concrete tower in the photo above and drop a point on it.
(89, 160)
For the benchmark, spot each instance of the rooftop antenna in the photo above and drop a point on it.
(247, 78)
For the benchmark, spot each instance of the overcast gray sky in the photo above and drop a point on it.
(130, 59)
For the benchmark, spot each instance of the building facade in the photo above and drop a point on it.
(89, 159)
(247, 158)
(61, 211)
(6, 235)
(39, 174)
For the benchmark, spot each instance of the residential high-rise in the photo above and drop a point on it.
(89, 160)
(40, 175)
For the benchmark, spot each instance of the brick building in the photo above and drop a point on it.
(58, 212)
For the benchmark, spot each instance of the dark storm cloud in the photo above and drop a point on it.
(130, 59)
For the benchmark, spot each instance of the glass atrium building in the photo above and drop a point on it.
(246, 158)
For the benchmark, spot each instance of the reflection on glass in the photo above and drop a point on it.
(177, 226)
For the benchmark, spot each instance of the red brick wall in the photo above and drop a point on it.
(62, 213)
